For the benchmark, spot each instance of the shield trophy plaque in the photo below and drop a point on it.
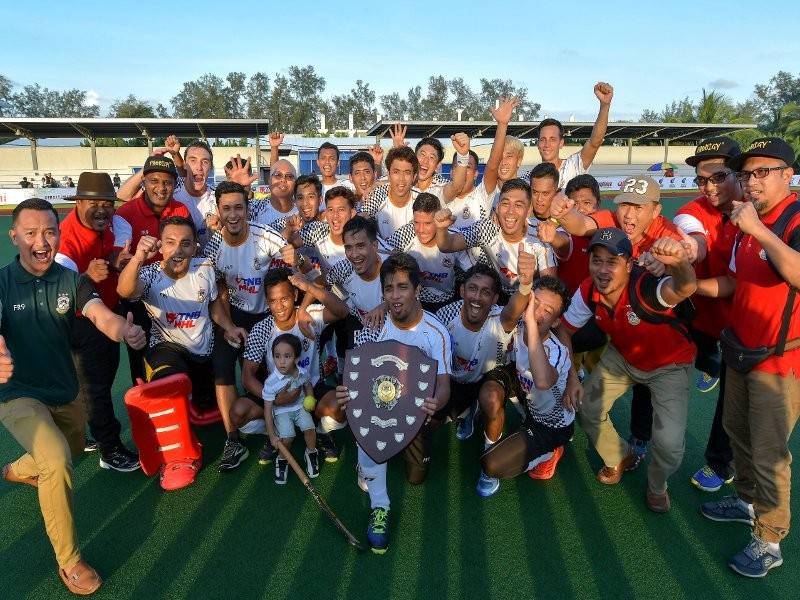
(387, 382)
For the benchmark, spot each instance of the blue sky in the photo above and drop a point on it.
(558, 50)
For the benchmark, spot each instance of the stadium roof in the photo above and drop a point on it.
(133, 128)
(572, 130)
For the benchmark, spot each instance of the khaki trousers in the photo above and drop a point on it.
(669, 385)
(51, 435)
(760, 412)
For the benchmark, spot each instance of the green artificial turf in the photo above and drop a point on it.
(238, 535)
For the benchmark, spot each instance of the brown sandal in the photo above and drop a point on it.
(10, 476)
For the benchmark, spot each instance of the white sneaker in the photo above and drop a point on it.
(254, 427)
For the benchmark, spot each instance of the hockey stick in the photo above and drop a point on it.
(301, 474)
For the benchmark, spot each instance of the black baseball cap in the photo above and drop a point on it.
(612, 239)
(160, 164)
(715, 147)
(771, 147)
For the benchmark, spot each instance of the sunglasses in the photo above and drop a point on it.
(716, 178)
(759, 173)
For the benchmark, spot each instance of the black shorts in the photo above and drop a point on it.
(224, 356)
(512, 454)
(462, 395)
(589, 337)
(167, 358)
(320, 389)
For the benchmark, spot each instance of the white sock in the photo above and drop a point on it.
(328, 424)
(538, 460)
(774, 548)
(487, 442)
(375, 477)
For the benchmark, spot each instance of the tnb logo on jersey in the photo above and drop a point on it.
(464, 365)
(183, 320)
(304, 362)
(508, 273)
(251, 285)
(433, 277)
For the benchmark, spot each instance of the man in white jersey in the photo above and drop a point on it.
(281, 290)
(408, 323)
(180, 296)
(363, 171)
(391, 205)
(282, 177)
(195, 193)
(242, 253)
(439, 270)
(482, 334)
(543, 180)
(475, 201)
(542, 368)
(328, 164)
(551, 140)
(501, 242)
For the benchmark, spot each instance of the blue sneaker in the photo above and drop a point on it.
(378, 530)
(466, 424)
(706, 479)
(728, 509)
(639, 448)
(705, 382)
(756, 559)
(487, 486)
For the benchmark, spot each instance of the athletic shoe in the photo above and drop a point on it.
(120, 459)
(378, 530)
(546, 469)
(91, 445)
(706, 383)
(639, 448)
(466, 424)
(729, 508)
(756, 559)
(706, 479)
(266, 454)
(281, 470)
(312, 463)
(233, 454)
(328, 447)
(487, 486)
(658, 503)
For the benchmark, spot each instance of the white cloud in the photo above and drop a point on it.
(92, 98)
(723, 84)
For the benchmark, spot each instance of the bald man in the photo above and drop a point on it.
(280, 203)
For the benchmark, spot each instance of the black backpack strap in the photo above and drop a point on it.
(779, 228)
(677, 322)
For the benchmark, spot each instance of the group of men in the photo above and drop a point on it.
(521, 288)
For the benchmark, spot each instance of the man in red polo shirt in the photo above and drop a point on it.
(761, 404)
(638, 312)
(142, 215)
(707, 219)
(638, 214)
(87, 246)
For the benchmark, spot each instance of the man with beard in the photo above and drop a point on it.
(648, 344)
(407, 323)
(195, 193)
(762, 401)
(39, 304)
(87, 246)
(142, 216)
(481, 335)
(281, 290)
(638, 214)
(551, 140)
(707, 219)
(242, 253)
(280, 203)
(438, 270)
(502, 242)
(391, 206)
(180, 295)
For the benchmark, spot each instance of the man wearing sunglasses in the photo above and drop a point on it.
(280, 204)
(762, 404)
(707, 220)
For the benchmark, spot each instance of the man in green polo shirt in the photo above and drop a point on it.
(39, 302)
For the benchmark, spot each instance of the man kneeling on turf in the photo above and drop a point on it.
(180, 296)
(542, 367)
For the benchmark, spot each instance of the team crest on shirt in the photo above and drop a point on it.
(762, 254)
(305, 343)
(447, 262)
(633, 318)
(465, 214)
(201, 295)
(62, 303)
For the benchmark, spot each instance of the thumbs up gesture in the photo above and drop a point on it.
(133, 334)
(6, 362)
(526, 265)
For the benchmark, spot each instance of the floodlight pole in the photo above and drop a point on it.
(258, 153)
(34, 157)
(666, 149)
(630, 151)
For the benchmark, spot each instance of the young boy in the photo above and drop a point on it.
(281, 421)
